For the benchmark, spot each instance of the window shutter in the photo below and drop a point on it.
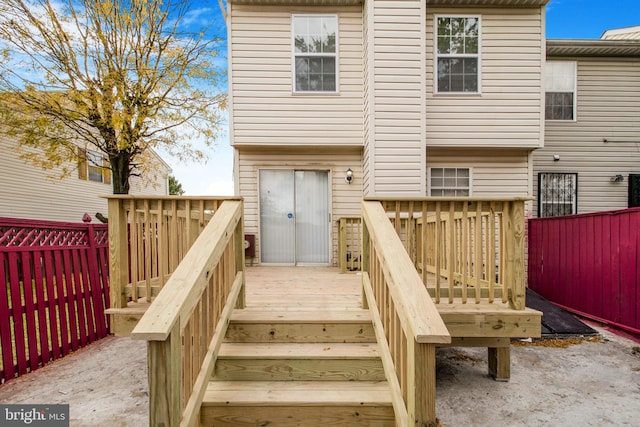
(82, 163)
(634, 190)
(106, 171)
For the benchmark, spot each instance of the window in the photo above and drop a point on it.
(458, 54)
(93, 166)
(455, 182)
(315, 54)
(558, 194)
(560, 87)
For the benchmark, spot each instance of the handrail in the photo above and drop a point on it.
(186, 323)
(148, 237)
(409, 319)
(465, 248)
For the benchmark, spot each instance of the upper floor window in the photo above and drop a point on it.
(454, 182)
(458, 54)
(315, 53)
(560, 87)
(93, 166)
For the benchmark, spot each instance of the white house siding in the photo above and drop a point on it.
(395, 63)
(345, 198)
(508, 112)
(265, 111)
(494, 173)
(27, 191)
(608, 107)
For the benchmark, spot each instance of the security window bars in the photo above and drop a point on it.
(458, 54)
(454, 182)
(560, 86)
(558, 194)
(315, 53)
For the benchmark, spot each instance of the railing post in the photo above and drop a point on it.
(424, 395)
(240, 260)
(515, 255)
(164, 380)
(366, 258)
(118, 253)
(342, 245)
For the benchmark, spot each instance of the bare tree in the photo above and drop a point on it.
(120, 76)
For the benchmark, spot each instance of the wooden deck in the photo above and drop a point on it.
(302, 289)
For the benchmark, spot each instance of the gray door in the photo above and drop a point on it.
(294, 217)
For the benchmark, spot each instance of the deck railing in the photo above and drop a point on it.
(349, 244)
(407, 323)
(465, 249)
(148, 237)
(187, 321)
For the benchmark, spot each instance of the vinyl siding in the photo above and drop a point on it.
(608, 107)
(508, 111)
(396, 127)
(265, 109)
(503, 173)
(345, 198)
(26, 191)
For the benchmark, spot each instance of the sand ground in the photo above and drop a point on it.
(587, 384)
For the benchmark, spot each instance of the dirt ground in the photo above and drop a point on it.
(587, 384)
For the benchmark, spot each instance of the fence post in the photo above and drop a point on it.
(94, 281)
(118, 253)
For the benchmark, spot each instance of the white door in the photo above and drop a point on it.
(294, 217)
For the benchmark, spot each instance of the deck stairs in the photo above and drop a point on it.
(306, 358)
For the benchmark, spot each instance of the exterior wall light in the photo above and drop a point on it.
(616, 178)
(349, 176)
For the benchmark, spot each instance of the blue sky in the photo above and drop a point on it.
(573, 19)
(588, 19)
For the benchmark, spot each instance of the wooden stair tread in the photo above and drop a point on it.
(297, 393)
(298, 351)
(302, 316)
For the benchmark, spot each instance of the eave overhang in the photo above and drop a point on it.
(432, 3)
(592, 48)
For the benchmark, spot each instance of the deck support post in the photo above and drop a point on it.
(499, 363)
(515, 273)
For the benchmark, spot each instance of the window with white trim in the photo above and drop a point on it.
(450, 182)
(560, 88)
(557, 194)
(315, 53)
(458, 54)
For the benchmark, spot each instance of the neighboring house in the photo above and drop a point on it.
(412, 98)
(591, 158)
(27, 191)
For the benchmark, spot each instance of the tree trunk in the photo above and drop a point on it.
(120, 172)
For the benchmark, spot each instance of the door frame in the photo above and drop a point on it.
(316, 167)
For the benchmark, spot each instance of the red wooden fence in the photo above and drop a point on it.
(55, 291)
(589, 264)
